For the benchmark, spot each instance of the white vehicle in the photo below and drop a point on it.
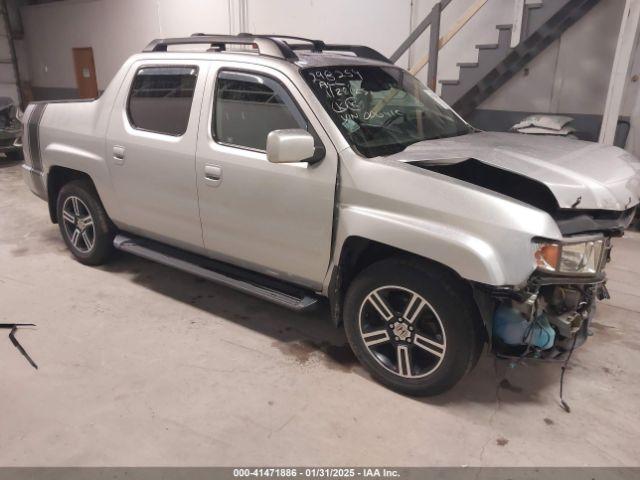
(294, 170)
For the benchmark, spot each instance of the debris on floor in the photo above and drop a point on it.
(13, 327)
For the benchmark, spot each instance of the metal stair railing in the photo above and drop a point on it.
(432, 21)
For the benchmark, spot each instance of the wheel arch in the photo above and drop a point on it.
(357, 253)
(57, 178)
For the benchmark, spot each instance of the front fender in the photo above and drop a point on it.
(471, 257)
(483, 236)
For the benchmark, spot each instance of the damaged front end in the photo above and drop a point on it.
(544, 321)
(571, 220)
(549, 316)
(591, 192)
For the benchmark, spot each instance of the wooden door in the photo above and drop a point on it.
(85, 72)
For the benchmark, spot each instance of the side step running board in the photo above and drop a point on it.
(266, 288)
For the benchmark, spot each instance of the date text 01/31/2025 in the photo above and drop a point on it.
(316, 472)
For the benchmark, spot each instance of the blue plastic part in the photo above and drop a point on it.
(513, 329)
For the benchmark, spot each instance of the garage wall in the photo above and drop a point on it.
(381, 24)
(52, 30)
(112, 28)
(8, 86)
(571, 76)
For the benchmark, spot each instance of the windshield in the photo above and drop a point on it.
(382, 110)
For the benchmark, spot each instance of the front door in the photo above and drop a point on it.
(85, 70)
(273, 218)
(150, 150)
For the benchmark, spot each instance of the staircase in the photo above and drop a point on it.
(542, 24)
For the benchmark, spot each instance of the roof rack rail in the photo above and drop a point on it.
(316, 45)
(266, 46)
(273, 45)
(358, 50)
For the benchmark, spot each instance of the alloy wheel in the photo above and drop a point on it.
(402, 331)
(78, 224)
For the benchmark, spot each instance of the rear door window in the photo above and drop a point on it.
(160, 99)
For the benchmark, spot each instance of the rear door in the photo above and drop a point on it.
(273, 218)
(151, 144)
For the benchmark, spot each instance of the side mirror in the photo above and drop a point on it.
(292, 145)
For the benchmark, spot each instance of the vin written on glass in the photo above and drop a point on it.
(341, 88)
(381, 110)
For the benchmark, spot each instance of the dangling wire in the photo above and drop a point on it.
(563, 404)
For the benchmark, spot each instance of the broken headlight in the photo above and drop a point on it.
(580, 258)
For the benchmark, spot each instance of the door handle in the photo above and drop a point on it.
(213, 175)
(118, 154)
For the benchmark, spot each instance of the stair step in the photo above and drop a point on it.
(543, 22)
(487, 46)
(261, 286)
(504, 37)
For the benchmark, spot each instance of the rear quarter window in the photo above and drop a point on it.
(160, 99)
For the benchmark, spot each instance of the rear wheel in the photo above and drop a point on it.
(412, 326)
(84, 224)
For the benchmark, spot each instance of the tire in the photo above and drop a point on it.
(413, 326)
(84, 224)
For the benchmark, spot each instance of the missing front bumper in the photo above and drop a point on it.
(543, 320)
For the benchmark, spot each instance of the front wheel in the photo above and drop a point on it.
(84, 224)
(413, 326)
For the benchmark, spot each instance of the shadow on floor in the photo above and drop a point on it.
(6, 163)
(302, 336)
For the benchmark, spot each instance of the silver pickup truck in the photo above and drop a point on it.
(295, 170)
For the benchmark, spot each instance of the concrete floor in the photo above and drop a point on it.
(143, 365)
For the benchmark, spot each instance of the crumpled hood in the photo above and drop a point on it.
(602, 177)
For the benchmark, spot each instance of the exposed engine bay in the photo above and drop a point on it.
(550, 316)
(548, 323)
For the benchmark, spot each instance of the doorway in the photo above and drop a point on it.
(85, 72)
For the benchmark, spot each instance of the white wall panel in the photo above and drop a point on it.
(380, 24)
(115, 29)
(570, 76)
